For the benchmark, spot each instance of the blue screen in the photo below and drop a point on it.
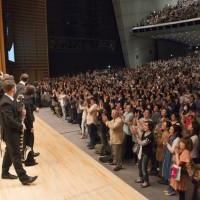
(11, 53)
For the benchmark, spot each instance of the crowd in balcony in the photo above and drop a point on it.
(182, 11)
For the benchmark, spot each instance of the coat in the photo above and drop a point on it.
(116, 130)
(10, 119)
(30, 107)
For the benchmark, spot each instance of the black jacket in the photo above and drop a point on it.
(30, 108)
(20, 89)
(10, 119)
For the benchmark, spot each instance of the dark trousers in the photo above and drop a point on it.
(181, 195)
(13, 156)
(128, 146)
(92, 131)
(142, 166)
(29, 141)
(29, 138)
(154, 163)
(73, 114)
(79, 120)
(103, 132)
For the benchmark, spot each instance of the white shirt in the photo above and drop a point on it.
(62, 99)
(9, 97)
(84, 111)
(175, 143)
(195, 150)
(22, 82)
(92, 114)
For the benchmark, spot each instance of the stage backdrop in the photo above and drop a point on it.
(25, 36)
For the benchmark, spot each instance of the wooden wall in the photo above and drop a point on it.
(25, 24)
(2, 51)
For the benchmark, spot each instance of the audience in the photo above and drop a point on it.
(184, 10)
(162, 92)
(153, 106)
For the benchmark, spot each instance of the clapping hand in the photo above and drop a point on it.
(23, 112)
(135, 131)
(165, 140)
(176, 150)
(37, 110)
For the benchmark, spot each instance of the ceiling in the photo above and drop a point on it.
(185, 32)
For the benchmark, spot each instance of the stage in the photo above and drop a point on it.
(66, 172)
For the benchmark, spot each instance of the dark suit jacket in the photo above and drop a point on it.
(10, 119)
(30, 107)
(20, 89)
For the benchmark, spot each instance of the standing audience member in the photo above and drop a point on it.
(170, 143)
(62, 99)
(182, 158)
(193, 132)
(103, 130)
(161, 136)
(116, 137)
(38, 92)
(128, 143)
(82, 106)
(156, 115)
(91, 121)
(11, 129)
(79, 111)
(145, 140)
(73, 112)
(197, 101)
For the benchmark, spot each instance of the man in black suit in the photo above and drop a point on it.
(21, 86)
(11, 130)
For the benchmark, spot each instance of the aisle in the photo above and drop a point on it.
(66, 172)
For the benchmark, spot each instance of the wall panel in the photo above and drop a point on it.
(26, 24)
(2, 51)
(128, 13)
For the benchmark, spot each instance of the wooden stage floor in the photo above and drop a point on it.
(65, 173)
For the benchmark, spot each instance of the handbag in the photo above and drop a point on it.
(176, 172)
(197, 173)
(136, 148)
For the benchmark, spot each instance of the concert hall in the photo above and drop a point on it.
(99, 99)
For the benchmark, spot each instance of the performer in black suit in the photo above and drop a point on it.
(29, 132)
(11, 130)
(21, 86)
